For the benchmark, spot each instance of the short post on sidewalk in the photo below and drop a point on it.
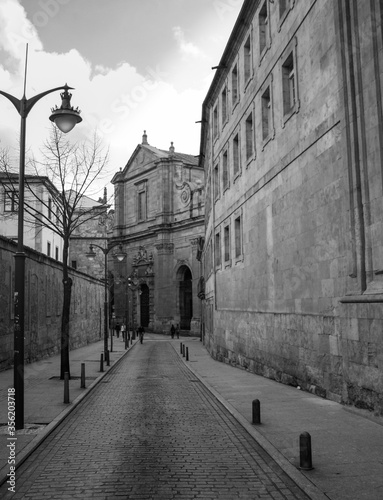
(102, 362)
(66, 388)
(180, 347)
(256, 412)
(187, 354)
(306, 462)
(82, 376)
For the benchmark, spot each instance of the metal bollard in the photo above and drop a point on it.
(305, 451)
(107, 358)
(187, 354)
(66, 388)
(102, 363)
(181, 348)
(82, 376)
(126, 342)
(256, 411)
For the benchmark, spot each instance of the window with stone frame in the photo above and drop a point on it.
(266, 113)
(249, 136)
(283, 5)
(225, 170)
(215, 121)
(288, 84)
(216, 181)
(226, 242)
(234, 85)
(236, 157)
(247, 64)
(263, 24)
(224, 105)
(11, 200)
(238, 236)
(141, 201)
(217, 250)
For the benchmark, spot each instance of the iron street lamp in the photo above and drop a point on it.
(120, 255)
(65, 118)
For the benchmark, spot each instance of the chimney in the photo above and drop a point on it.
(105, 195)
(144, 138)
(171, 149)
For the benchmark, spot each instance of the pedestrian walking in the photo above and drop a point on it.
(178, 331)
(123, 328)
(172, 331)
(117, 328)
(141, 332)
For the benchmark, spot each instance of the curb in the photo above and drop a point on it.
(312, 491)
(37, 441)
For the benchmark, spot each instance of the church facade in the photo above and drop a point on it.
(159, 219)
(292, 147)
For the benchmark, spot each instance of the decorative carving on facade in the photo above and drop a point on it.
(165, 247)
(142, 257)
(186, 191)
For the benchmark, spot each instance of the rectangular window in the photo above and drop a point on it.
(236, 155)
(217, 249)
(263, 27)
(266, 114)
(225, 171)
(224, 105)
(141, 205)
(234, 85)
(249, 137)
(247, 59)
(288, 84)
(48, 249)
(226, 237)
(11, 200)
(74, 264)
(215, 122)
(50, 211)
(57, 253)
(238, 236)
(216, 182)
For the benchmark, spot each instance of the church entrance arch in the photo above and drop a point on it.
(185, 291)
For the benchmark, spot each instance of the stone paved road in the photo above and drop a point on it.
(150, 430)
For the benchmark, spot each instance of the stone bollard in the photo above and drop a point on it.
(66, 388)
(256, 411)
(305, 451)
(187, 354)
(102, 363)
(82, 376)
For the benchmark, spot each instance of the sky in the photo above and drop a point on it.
(135, 65)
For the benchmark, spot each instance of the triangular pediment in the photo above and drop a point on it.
(143, 157)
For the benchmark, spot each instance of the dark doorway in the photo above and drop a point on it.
(144, 305)
(185, 298)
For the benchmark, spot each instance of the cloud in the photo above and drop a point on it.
(120, 102)
(187, 48)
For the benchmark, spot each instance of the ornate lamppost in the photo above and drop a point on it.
(65, 117)
(120, 255)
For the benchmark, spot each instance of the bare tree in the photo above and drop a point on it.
(69, 172)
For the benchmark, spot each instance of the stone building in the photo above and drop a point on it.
(159, 218)
(292, 148)
(39, 198)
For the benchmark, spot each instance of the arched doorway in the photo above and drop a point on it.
(144, 305)
(185, 297)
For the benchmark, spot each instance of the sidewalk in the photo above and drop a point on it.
(347, 446)
(44, 406)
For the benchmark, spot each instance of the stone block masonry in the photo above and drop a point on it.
(43, 306)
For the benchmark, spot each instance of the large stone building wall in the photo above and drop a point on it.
(43, 299)
(293, 253)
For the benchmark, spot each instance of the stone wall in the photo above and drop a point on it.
(43, 299)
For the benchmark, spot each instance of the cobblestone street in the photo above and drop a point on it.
(151, 430)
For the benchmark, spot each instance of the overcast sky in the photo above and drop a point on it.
(134, 64)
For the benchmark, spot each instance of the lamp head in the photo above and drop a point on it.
(65, 117)
(91, 254)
